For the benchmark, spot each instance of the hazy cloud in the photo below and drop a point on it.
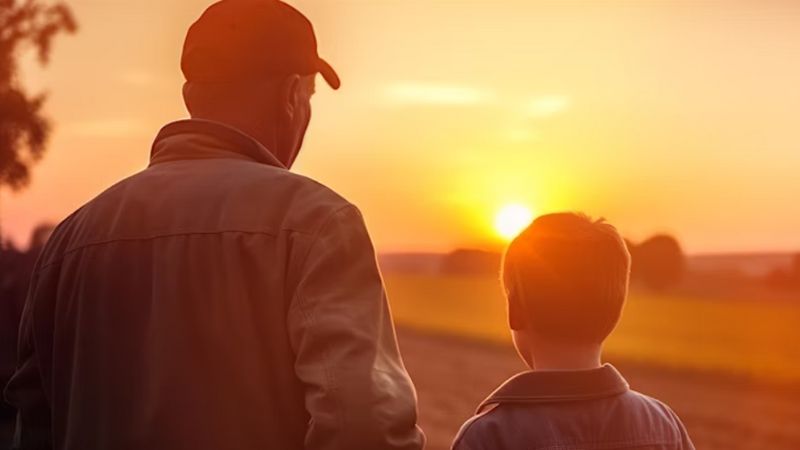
(547, 106)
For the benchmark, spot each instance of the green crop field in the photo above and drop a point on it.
(745, 337)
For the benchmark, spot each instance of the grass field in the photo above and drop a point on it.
(741, 337)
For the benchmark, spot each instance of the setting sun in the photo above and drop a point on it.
(511, 220)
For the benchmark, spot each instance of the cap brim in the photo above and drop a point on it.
(328, 73)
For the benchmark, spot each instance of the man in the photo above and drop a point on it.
(215, 300)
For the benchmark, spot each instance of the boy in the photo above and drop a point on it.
(566, 278)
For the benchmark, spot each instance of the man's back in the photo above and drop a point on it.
(589, 410)
(185, 307)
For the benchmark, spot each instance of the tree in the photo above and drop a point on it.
(25, 25)
(658, 262)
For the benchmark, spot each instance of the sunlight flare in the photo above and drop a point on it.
(511, 220)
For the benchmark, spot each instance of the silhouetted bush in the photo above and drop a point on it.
(39, 236)
(16, 269)
(14, 278)
(471, 262)
(658, 262)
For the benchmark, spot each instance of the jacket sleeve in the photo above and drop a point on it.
(358, 394)
(25, 391)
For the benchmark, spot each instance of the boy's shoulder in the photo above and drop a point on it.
(663, 414)
(480, 430)
(570, 410)
(652, 404)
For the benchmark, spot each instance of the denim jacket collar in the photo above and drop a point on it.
(204, 139)
(558, 386)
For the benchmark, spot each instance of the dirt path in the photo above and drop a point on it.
(722, 413)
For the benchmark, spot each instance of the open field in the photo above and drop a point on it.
(453, 375)
(730, 369)
(748, 338)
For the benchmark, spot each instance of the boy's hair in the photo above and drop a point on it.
(569, 275)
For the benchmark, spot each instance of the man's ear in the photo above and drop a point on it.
(289, 94)
(517, 313)
(187, 97)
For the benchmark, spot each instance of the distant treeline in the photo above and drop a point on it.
(658, 263)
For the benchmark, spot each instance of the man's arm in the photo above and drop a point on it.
(25, 390)
(358, 393)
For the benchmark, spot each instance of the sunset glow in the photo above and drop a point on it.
(346, 222)
(549, 103)
(511, 220)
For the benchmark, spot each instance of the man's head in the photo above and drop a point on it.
(566, 278)
(251, 64)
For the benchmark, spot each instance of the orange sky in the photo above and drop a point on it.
(661, 116)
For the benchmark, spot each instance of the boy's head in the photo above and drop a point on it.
(566, 278)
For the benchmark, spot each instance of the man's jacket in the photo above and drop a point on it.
(212, 301)
(572, 410)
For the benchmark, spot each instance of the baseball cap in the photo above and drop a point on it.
(238, 40)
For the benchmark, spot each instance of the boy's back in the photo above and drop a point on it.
(571, 410)
(566, 280)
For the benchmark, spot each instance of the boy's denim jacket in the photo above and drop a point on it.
(586, 410)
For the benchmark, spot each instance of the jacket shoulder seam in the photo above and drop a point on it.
(152, 237)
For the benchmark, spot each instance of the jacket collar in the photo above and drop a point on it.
(558, 386)
(205, 139)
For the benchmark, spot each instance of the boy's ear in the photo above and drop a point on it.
(517, 315)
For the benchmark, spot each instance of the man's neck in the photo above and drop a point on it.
(557, 356)
(267, 137)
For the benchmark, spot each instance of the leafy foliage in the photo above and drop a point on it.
(25, 25)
